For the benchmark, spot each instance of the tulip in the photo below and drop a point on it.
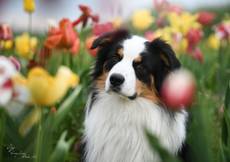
(7, 71)
(189, 22)
(178, 90)
(99, 29)
(88, 45)
(205, 18)
(160, 5)
(142, 19)
(213, 42)
(8, 44)
(197, 55)
(63, 37)
(117, 22)
(25, 45)
(5, 32)
(165, 6)
(85, 16)
(223, 30)
(47, 90)
(29, 6)
(193, 36)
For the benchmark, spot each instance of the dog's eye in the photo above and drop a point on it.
(111, 62)
(141, 72)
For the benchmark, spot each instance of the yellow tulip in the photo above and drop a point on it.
(8, 44)
(117, 22)
(25, 45)
(213, 42)
(182, 46)
(183, 22)
(142, 19)
(47, 90)
(29, 6)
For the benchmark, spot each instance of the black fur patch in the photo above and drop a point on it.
(108, 45)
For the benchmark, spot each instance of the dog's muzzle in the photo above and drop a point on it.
(116, 82)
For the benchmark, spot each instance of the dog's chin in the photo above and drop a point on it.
(117, 91)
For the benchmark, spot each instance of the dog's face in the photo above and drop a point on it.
(130, 66)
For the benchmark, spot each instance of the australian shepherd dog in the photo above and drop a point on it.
(125, 100)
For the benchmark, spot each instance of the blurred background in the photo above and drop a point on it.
(48, 11)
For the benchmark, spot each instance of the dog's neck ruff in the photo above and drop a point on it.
(114, 129)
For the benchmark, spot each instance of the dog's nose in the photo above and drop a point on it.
(116, 79)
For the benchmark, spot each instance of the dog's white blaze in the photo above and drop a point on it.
(114, 130)
(131, 49)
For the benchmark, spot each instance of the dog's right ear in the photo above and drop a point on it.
(110, 37)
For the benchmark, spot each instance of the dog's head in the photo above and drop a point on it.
(131, 66)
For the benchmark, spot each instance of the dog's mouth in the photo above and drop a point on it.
(117, 90)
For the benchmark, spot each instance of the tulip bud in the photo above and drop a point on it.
(29, 6)
(178, 89)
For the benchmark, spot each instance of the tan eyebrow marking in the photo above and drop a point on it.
(164, 58)
(138, 59)
(120, 52)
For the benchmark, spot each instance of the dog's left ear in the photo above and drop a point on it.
(166, 53)
(166, 63)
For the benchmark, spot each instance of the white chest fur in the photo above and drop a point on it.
(114, 130)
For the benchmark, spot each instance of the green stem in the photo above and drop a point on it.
(39, 136)
(30, 23)
(2, 131)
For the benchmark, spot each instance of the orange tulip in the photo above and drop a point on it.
(63, 37)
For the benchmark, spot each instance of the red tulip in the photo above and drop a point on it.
(197, 55)
(63, 37)
(205, 18)
(88, 44)
(99, 29)
(5, 32)
(193, 36)
(178, 90)
(85, 16)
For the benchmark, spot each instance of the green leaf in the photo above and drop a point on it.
(65, 107)
(2, 130)
(61, 150)
(226, 118)
(155, 145)
(227, 98)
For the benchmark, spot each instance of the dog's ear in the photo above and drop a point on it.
(166, 53)
(166, 60)
(110, 37)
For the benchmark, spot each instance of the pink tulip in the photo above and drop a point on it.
(223, 30)
(99, 29)
(5, 32)
(178, 90)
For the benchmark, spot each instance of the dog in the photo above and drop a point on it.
(125, 100)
